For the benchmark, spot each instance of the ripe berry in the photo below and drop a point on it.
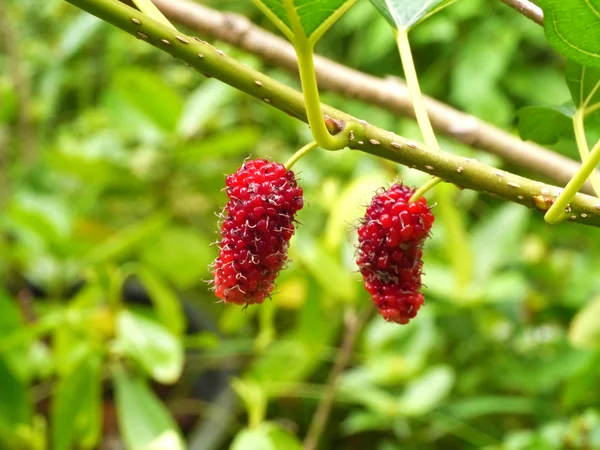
(258, 224)
(389, 252)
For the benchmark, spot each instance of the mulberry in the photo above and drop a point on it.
(258, 224)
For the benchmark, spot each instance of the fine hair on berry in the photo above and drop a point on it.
(258, 222)
(390, 241)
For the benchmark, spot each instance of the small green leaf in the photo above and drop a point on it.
(166, 302)
(584, 84)
(154, 347)
(76, 406)
(404, 14)
(426, 392)
(546, 124)
(15, 407)
(573, 28)
(144, 422)
(584, 331)
(267, 436)
(314, 16)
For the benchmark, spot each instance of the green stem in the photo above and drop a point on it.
(582, 146)
(310, 89)
(150, 9)
(416, 97)
(300, 154)
(557, 212)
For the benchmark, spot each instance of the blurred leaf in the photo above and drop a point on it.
(482, 406)
(321, 264)
(126, 239)
(254, 398)
(15, 406)
(77, 406)
(404, 14)
(166, 302)
(181, 255)
(584, 331)
(495, 239)
(573, 29)
(221, 145)
(144, 422)
(426, 392)
(10, 315)
(584, 84)
(77, 34)
(267, 436)
(201, 105)
(349, 207)
(314, 17)
(546, 124)
(152, 96)
(154, 347)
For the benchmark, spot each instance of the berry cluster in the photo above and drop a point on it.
(390, 239)
(258, 224)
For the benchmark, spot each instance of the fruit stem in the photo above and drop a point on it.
(556, 213)
(150, 9)
(582, 146)
(300, 154)
(416, 97)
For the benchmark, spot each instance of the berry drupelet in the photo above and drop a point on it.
(389, 254)
(258, 224)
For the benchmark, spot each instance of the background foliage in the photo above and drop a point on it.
(113, 158)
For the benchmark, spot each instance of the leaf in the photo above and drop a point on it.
(573, 28)
(220, 145)
(166, 302)
(315, 16)
(144, 422)
(77, 34)
(151, 96)
(76, 406)
(15, 407)
(546, 125)
(404, 14)
(266, 436)
(584, 331)
(426, 392)
(584, 84)
(154, 347)
(203, 104)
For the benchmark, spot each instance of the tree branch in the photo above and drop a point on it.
(528, 9)
(464, 172)
(390, 94)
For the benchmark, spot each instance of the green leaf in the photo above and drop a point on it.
(144, 422)
(584, 331)
(77, 406)
(584, 84)
(267, 436)
(151, 96)
(220, 145)
(15, 408)
(573, 28)
(77, 34)
(166, 302)
(404, 14)
(314, 16)
(154, 347)
(546, 124)
(426, 392)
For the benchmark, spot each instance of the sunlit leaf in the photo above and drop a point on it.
(144, 422)
(267, 436)
(427, 391)
(584, 331)
(404, 14)
(154, 347)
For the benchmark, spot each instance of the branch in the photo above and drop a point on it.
(390, 94)
(354, 325)
(464, 172)
(528, 9)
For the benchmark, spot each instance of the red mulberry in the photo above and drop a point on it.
(258, 224)
(389, 252)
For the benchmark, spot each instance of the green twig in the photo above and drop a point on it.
(582, 146)
(300, 154)
(464, 172)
